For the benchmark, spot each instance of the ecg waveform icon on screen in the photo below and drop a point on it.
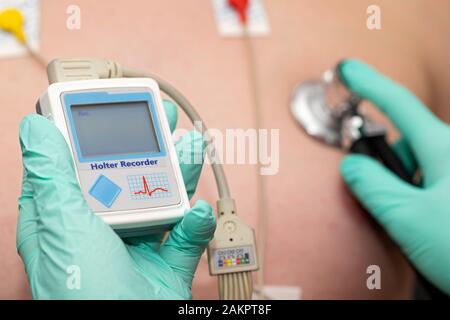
(149, 186)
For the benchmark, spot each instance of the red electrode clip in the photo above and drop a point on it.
(241, 7)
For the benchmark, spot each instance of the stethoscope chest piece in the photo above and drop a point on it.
(309, 108)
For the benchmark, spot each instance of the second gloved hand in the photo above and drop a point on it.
(417, 218)
(70, 253)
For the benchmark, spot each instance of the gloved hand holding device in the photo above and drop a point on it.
(417, 218)
(70, 253)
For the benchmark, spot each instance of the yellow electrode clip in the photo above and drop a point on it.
(11, 20)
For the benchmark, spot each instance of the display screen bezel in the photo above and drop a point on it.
(90, 98)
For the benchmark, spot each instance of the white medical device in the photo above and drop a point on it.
(114, 123)
(122, 150)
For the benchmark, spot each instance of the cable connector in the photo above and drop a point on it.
(233, 248)
(241, 7)
(60, 70)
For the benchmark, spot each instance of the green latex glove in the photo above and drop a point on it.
(417, 218)
(59, 238)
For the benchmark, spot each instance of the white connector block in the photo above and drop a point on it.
(233, 248)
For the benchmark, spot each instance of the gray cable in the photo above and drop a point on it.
(235, 286)
(261, 190)
(167, 88)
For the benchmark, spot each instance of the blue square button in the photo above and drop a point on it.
(105, 191)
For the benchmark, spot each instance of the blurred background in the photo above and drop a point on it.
(319, 241)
